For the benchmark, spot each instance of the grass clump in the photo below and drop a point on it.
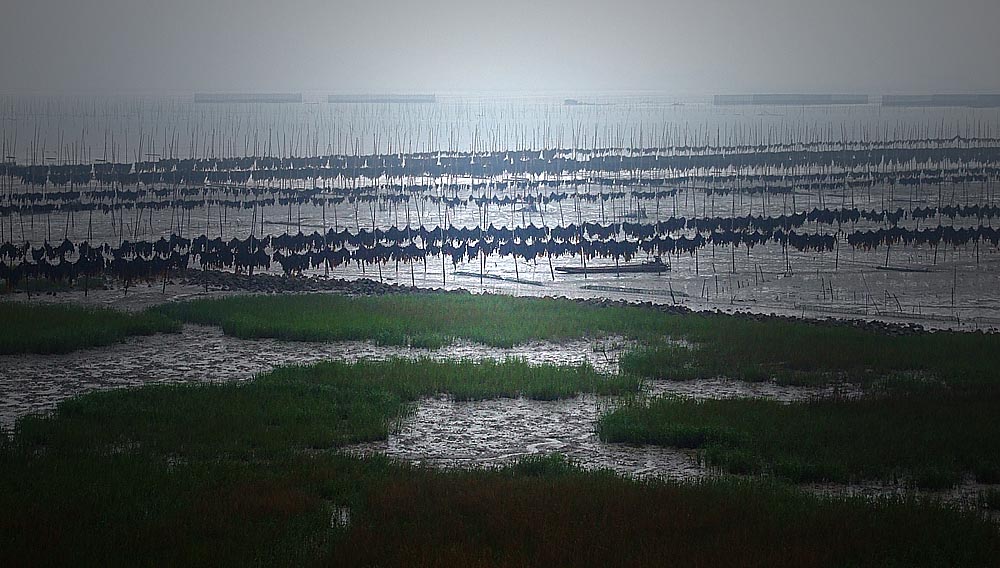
(96, 509)
(228, 475)
(321, 406)
(572, 518)
(56, 328)
(797, 352)
(425, 320)
(141, 508)
(930, 438)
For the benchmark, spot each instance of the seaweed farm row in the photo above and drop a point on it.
(866, 229)
(591, 240)
(611, 163)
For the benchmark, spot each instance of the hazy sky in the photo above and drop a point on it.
(683, 47)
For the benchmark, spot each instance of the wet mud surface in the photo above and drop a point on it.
(36, 383)
(440, 431)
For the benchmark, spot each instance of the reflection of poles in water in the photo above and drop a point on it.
(954, 285)
(326, 248)
(409, 237)
(443, 279)
(548, 254)
(481, 253)
(836, 260)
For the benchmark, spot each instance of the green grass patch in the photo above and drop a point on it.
(229, 474)
(57, 328)
(930, 438)
(570, 518)
(248, 474)
(422, 320)
(292, 408)
(797, 352)
(806, 353)
(108, 510)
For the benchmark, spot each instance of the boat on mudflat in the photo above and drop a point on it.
(650, 266)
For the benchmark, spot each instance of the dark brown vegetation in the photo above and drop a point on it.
(250, 474)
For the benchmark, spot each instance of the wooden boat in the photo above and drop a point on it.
(496, 277)
(655, 265)
(902, 269)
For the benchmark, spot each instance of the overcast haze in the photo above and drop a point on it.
(682, 47)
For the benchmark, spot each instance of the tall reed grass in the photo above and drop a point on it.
(57, 328)
(809, 353)
(930, 438)
(321, 406)
(797, 352)
(246, 474)
(127, 508)
(422, 320)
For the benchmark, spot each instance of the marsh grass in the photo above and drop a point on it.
(57, 328)
(534, 515)
(97, 509)
(794, 352)
(229, 474)
(421, 320)
(292, 408)
(928, 438)
(123, 509)
(808, 354)
(248, 474)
